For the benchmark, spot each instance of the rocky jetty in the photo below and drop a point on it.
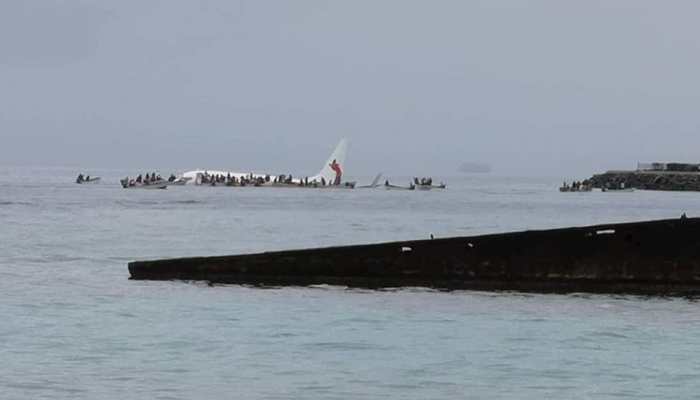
(649, 180)
(653, 257)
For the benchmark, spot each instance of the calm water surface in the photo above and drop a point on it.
(74, 327)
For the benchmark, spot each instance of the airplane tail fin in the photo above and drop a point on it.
(335, 166)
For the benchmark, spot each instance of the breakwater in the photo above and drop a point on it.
(644, 257)
(649, 180)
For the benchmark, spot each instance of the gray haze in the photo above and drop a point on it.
(530, 87)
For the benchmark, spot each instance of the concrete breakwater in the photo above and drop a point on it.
(649, 180)
(655, 257)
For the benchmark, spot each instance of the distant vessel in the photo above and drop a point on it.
(568, 189)
(389, 186)
(132, 184)
(90, 180)
(427, 184)
(474, 168)
(87, 179)
(430, 187)
(617, 190)
(576, 187)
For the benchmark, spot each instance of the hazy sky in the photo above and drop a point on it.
(531, 87)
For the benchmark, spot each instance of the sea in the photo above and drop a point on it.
(73, 326)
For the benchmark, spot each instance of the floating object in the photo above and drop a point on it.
(617, 190)
(130, 184)
(389, 186)
(430, 187)
(87, 180)
(582, 189)
(653, 257)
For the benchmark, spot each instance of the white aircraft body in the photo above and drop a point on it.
(331, 172)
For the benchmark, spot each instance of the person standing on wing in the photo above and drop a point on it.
(338, 172)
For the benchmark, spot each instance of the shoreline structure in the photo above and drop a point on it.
(654, 176)
(651, 257)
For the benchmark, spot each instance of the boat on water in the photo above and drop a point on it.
(569, 189)
(427, 184)
(430, 187)
(617, 190)
(133, 184)
(86, 179)
(389, 186)
(576, 186)
(617, 187)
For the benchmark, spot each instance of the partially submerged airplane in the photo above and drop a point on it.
(330, 175)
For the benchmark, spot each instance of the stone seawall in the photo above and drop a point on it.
(649, 180)
(643, 257)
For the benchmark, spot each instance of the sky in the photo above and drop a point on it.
(532, 88)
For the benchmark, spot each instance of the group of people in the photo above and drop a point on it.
(289, 180)
(619, 185)
(145, 179)
(577, 186)
(231, 180)
(82, 178)
(252, 180)
(423, 181)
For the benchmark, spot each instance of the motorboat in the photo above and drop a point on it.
(619, 187)
(389, 186)
(427, 184)
(132, 184)
(570, 189)
(430, 187)
(89, 179)
(617, 190)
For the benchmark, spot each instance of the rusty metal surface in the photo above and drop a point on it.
(642, 257)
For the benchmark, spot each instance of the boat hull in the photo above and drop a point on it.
(149, 186)
(91, 181)
(395, 187)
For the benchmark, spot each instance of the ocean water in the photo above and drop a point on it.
(73, 326)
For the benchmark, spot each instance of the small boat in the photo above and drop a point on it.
(389, 186)
(618, 190)
(132, 184)
(87, 180)
(569, 189)
(430, 187)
